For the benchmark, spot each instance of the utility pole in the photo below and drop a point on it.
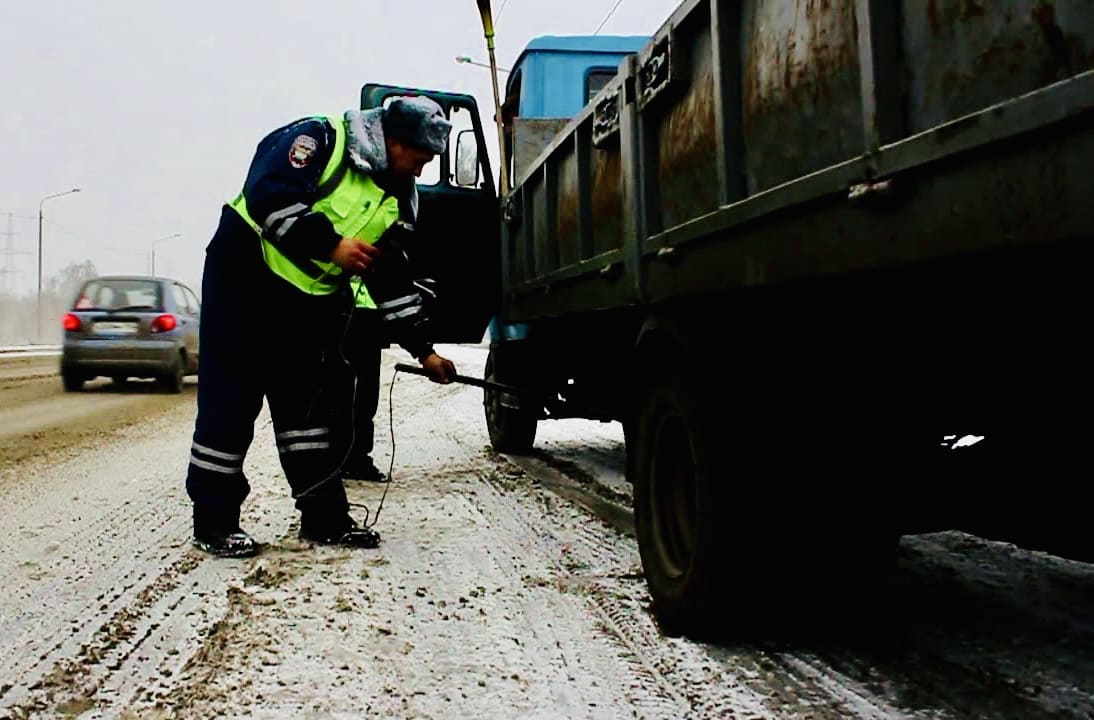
(9, 252)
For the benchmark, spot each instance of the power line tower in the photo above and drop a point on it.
(9, 271)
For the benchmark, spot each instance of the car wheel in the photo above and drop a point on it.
(172, 380)
(72, 380)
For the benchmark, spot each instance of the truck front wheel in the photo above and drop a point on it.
(511, 421)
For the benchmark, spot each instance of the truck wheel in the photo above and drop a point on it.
(731, 535)
(512, 429)
(679, 507)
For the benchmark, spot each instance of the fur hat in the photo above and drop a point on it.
(418, 122)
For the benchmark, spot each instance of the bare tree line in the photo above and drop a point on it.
(19, 312)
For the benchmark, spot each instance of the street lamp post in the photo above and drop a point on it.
(466, 60)
(157, 242)
(39, 303)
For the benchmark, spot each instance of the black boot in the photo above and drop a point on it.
(236, 544)
(218, 533)
(363, 469)
(338, 531)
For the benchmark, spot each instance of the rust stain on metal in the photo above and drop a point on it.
(566, 218)
(800, 79)
(934, 18)
(566, 212)
(567, 215)
(1044, 14)
(1010, 56)
(937, 17)
(687, 168)
(607, 200)
(792, 60)
(971, 9)
(607, 193)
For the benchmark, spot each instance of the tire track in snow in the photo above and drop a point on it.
(666, 683)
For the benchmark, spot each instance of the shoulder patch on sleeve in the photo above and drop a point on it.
(302, 150)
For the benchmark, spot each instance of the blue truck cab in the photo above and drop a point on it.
(554, 77)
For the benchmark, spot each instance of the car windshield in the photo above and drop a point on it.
(120, 294)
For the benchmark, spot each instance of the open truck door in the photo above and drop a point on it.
(458, 225)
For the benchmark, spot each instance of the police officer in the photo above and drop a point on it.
(318, 198)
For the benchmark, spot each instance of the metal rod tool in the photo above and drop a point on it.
(466, 380)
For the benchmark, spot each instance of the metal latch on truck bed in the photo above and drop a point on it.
(867, 190)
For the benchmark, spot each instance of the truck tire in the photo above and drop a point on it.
(679, 506)
(730, 536)
(512, 430)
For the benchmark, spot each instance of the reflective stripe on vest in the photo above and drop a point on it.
(356, 207)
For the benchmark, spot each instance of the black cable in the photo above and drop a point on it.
(391, 464)
(608, 17)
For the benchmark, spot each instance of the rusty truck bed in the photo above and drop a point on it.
(760, 141)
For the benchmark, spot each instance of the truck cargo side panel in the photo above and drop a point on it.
(966, 54)
(1030, 192)
(802, 99)
(687, 166)
(975, 183)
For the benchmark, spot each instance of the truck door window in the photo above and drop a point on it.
(595, 80)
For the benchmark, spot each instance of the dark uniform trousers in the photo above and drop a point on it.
(263, 338)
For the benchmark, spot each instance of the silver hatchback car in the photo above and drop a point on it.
(124, 326)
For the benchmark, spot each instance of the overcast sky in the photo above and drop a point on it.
(154, 108)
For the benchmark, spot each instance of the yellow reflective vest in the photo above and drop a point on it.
(357, 208)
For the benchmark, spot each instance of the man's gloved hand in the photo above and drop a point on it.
(441, 370)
